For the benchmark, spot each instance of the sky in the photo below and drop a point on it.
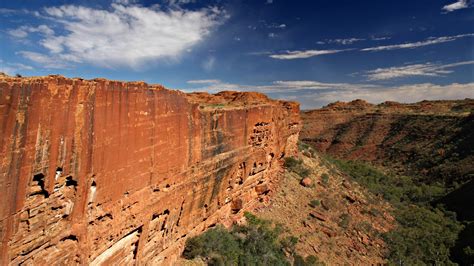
(314, 52)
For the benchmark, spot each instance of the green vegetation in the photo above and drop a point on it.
(425, 233)
(310, 260)
(315, 203)
(325, 178)
(296, 166)
(260, 242)
(344, 220)
(393, 188)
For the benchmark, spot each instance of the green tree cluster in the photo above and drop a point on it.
(425, 233)
(259, 242)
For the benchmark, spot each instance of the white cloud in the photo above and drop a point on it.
(460, 4)
(296, 85)
(345, 41)
(303, 54)
(280, 86)
(272, 35)
(429, 41)
(23, 31)
(179, 2)
(209, 63)
(427, 69)
(45, 60)
(203, 81)
(13, 68)
(276, 26)
(405, 93)
(126, 35)
(374, 38)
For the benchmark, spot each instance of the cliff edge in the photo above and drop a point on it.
(99, 171)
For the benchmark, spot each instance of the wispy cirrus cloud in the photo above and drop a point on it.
(203, 81)
(216, 85)
(426, 69)
(288, 55)
(460, 4)
(346, 41)
(47, 61)
(123, 35)
(429, 41)
(13, 68)
(299, 54)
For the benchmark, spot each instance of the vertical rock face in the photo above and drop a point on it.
(109, 172)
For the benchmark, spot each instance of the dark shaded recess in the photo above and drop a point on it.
(461, 201)
(217, 140)
(465, 240)
(70, 182)
(39, 179)
(70, 237)
(219, 177)
(157, 215)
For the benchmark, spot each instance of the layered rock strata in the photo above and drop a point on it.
(434, 139)
(102, 171)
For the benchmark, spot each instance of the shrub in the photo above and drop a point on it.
(296, 166)
(315, 203)
(257, 243)
(291, 162)
(309, 261)
(303, 171)
(425, 234)
(344, 220)
(325, 178)
(217, 244)
(303, 146)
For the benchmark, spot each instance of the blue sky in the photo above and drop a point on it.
(314, 52)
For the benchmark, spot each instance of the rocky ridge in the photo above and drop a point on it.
(429, 139)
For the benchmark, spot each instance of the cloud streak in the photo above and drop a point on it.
(412, 45)
(301, 54)
(427, 69)
(288, 55)
(346, 41)
(460, 4)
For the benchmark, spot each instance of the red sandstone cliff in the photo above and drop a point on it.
(105, 171)
(430, 138)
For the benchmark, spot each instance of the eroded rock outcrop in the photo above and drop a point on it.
(110, 172)
(434, 139)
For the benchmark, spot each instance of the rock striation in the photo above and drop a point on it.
(99, 171)
(432, 139)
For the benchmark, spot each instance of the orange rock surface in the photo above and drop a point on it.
(111, 172)
(416, 139)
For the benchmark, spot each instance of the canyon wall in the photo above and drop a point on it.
(430, 139)
(110, 172)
